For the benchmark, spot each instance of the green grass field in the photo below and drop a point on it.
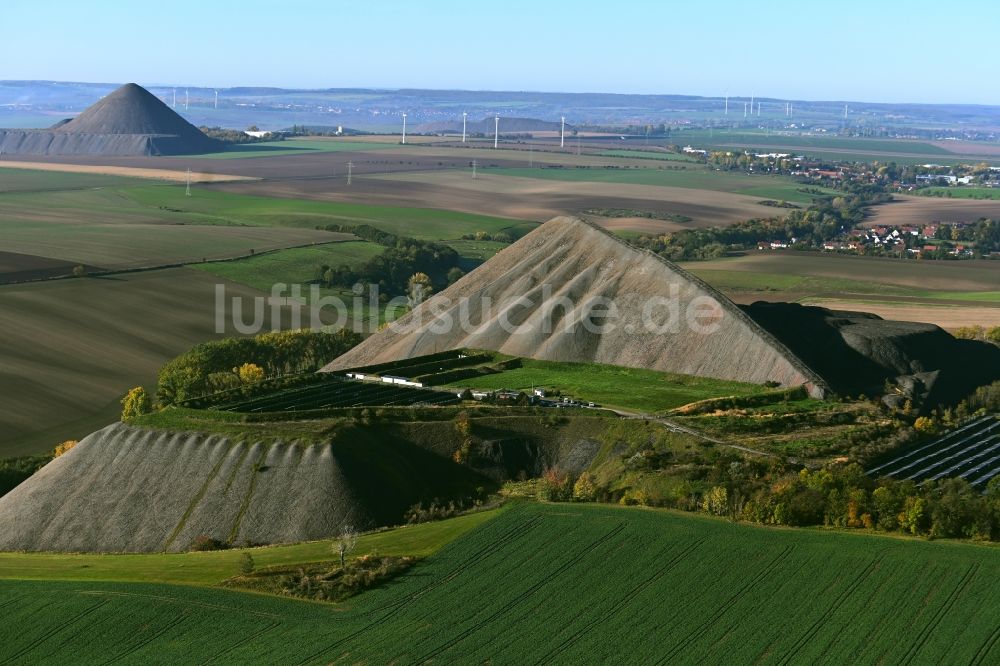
(832, 273)
(647, 155)
(294, 266)
(611, 386)
(560, 583)
(742, 137)
(213, 567)
(961, 192)
(294, 147)
(31, 180)
(770, 187)
(143, 224)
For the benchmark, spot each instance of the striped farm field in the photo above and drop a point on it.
(564, 584)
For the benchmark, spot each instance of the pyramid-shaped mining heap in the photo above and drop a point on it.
(569, 291)
(129, 121)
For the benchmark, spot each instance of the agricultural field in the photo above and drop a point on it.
(153, 224)
(33, 180)
(961, 192)
(293, 266)
(948, 293)
(647, 155)
(540, 194)
(771, 187)
(630, 389)
(72, 348)
(582, 583)
(839, 148)
(294, 147)
(928, 210)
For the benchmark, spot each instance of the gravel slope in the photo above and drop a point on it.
(124, 489)
(567, 258)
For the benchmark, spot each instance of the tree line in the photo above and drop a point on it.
(773, 492)
(395, 268)
(229, 363)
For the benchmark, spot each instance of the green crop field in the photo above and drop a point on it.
(212, 567)
(32, 180)
(293, 266)
(771, 187)
(647, 155)
(559, 583)
(791, 270)
(142, 224)
(961, 192)
(611, 386)
(294, 147)
(889, 146)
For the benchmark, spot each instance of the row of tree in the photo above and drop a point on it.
(394, 269)
(224, 364)
(770, 493)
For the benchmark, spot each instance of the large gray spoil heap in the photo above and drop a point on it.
(129, 121)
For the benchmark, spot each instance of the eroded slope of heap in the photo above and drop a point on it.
(129, 121)
(546, 284)
(858, 352)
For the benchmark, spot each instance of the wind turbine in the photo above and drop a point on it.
(187, 188)
(465, 118)
(404, 128)
(727, 104)
(562, 132)
(350, 167)
(496, 131)
(175, 98)
(186, 98)
(744, 109)
(216, 99)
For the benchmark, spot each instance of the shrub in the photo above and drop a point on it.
(250, 373)
(64, 447)
(247, 564)
(555, 486)
(585, 488)
(135, 403)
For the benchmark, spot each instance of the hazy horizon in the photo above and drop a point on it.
(852, 52)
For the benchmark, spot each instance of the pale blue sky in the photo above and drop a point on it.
(872, 51)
